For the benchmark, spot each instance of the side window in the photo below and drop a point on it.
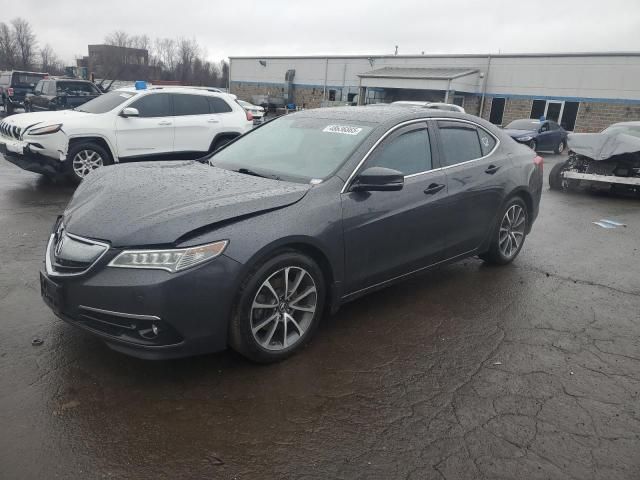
(218, 105)
(487, 142)
(185, 104)
(153, 105)
(409, 153)
(460, 142)
(49, 88)
(554, 126)
(545, 127)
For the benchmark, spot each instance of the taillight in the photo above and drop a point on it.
(249, 115)
(10, 91)
(538, 161)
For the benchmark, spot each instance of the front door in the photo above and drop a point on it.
(149, 135)
(388, 234)
(477, 179)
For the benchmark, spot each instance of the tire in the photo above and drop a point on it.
(221, 142)
(514, 212)
(84, 155)
(534, 145)
(261, 321)
(560, 147)
(555, 176)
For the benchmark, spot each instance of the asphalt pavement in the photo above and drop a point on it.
(529, 371)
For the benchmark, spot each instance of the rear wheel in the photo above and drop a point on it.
(508, 238)
(555, 176)
(83, 158)
(221, 142)
(278, 309)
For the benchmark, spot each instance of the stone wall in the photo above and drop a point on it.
(516, 108)
(595, 116)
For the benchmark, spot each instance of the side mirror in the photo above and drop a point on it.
(130, 112)
(378, 179)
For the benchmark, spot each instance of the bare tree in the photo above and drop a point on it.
(50, 61)
(140, 41)
(25, 41)
(187, 51)
(165, 53)
(118, 39)
(8, 51)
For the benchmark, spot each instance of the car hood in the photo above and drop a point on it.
(602, 146)
(24, 120)
(149, 203)
(519, 133)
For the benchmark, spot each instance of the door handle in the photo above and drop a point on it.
(491, 169)
(164, 122)
(434, 188)
(213, 120)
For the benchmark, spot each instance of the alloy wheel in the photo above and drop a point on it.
(512, 228)
(561, 147)
(86, 161)
(283, 308)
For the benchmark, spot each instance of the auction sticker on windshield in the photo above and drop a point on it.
(344, 129)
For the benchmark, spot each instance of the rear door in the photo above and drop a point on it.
(36, 100)
(195, 125)
(151, 134)
(388, 234)
(545, 137)
(477, 179)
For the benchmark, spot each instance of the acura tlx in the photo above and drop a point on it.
(249, 247)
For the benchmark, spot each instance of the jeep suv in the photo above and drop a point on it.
(14, 87)
(160, 123)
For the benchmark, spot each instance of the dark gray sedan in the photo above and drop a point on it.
(249, 248)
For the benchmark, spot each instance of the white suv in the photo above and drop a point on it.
(125, 124)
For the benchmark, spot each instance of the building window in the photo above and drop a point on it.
(458, 100)
(559, 111)
(332, 95)
(537, 109)
(497, 110)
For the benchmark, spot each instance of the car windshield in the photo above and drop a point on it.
(628, 129)
(244, 104)
(524, 125)
(293, 148)
(105, 103)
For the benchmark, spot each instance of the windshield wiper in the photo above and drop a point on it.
(246, 171)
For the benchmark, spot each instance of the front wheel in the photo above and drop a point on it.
(534, 145)
(508, 238)
(278, 308)
(84, 158)
(560, 147)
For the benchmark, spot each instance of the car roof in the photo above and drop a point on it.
(176, 89)
(630, 124)
(382, 113)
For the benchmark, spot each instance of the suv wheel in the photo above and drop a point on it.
(83, 158)
(279, 308)
(509, 236)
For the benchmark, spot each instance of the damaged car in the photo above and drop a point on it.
(609, 159)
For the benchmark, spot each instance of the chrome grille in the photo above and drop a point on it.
(11, 131)
(69, 254)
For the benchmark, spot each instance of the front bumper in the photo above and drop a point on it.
(33, 157)
(149, 314)
(612, 179)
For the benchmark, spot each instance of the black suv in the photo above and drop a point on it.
(60, 94)
(14, 86)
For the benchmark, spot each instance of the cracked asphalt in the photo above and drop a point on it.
(467, 372)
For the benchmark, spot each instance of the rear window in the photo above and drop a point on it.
(26, 79)
(218, 105)
(524, 125)
(105, 103)
(184, 104)
(75, 88)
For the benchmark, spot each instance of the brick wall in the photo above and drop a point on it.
(516, 108)
(308, 96)
(472, 104)
(595, 116)
(486, 109)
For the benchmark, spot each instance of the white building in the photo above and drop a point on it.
(582, 91)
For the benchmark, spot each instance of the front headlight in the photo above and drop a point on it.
(526, 138)
(172, 260)
(46, 130)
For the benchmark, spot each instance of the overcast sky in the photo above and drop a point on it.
(298, 27)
